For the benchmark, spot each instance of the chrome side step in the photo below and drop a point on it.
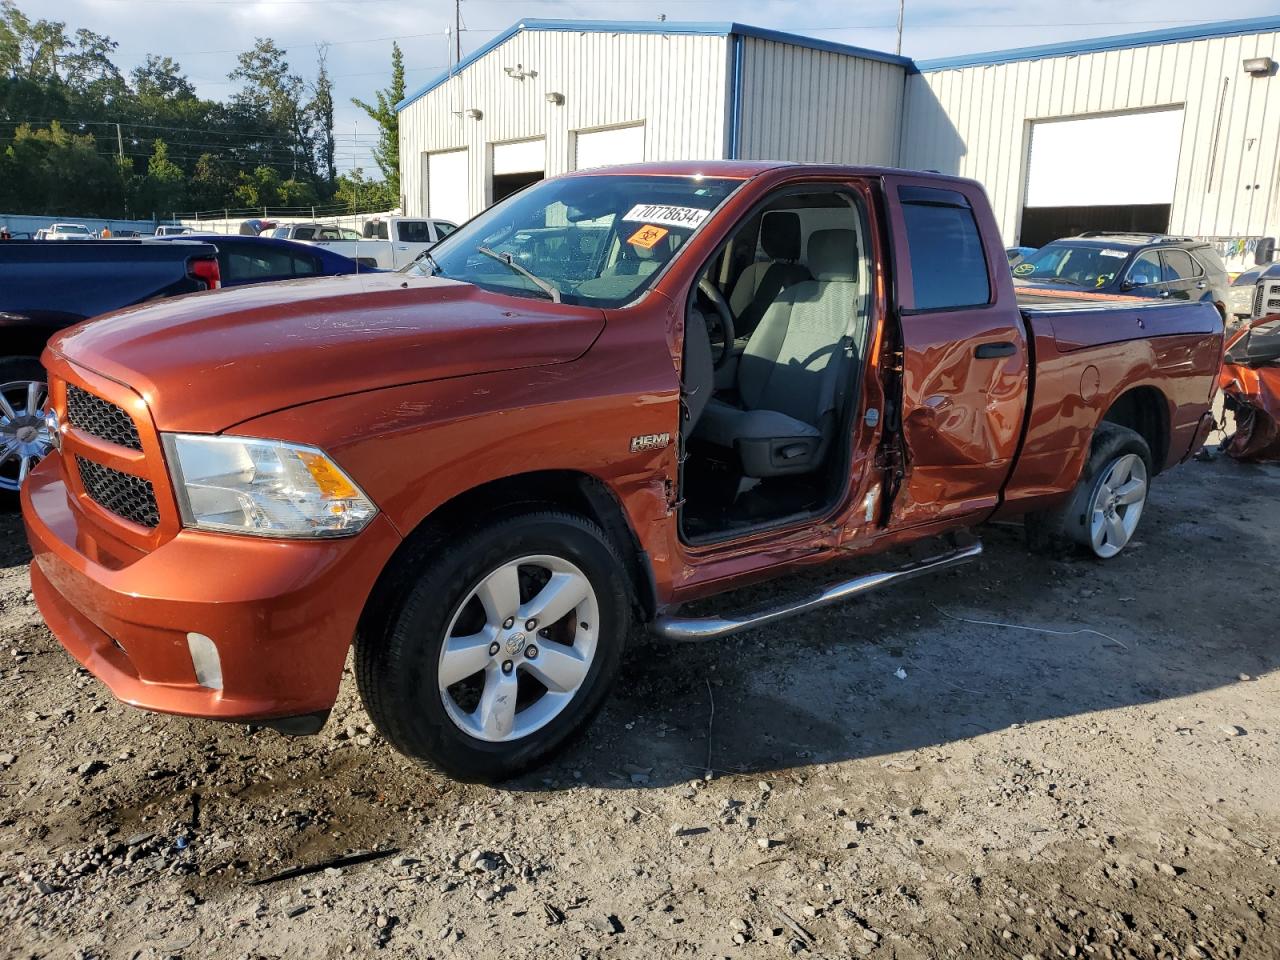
(690, 629)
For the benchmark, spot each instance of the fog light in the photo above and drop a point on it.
(205, 659)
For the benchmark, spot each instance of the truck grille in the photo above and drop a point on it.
(1269, 301)
(1258, 294)
(121, 493)
(101, 419)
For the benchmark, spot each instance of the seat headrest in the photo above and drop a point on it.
(833, 255)
(780, 235)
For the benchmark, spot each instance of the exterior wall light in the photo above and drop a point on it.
(556, 98)
(475, 114)
(1260, 66)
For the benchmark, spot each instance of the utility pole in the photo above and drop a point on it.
(457, 31)
(120, 142)
(901, 10)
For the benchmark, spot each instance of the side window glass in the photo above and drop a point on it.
(413, 231)
(1178, 265)
(443, 229)
(1145, 269)
(304, 266)
(948, 263)
(305, 233)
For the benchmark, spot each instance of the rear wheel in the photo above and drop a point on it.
(505, 645)
(25, 439)
(1106, 505)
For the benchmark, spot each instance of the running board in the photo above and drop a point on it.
(691, 629)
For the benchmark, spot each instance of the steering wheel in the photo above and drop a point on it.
(723, 330)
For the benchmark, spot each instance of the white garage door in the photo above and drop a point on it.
(600, 148)
(447, 186)
(1129, 158)
(522, 156)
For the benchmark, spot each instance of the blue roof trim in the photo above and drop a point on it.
(1200, 31)
(687, 28)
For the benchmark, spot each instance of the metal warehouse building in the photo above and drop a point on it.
(1172, 130)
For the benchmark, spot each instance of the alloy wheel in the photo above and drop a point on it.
(1117, 505)
(24, 433)
(518, 648)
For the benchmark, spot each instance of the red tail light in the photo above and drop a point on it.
(206, 269)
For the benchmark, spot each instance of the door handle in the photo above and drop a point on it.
(989, 351)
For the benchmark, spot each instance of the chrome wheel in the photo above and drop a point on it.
(24, 434)
(1117, 505)
(518, 648)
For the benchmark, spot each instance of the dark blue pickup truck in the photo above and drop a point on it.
(46, 287)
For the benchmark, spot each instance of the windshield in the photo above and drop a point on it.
(1072, 265)
(596, 240)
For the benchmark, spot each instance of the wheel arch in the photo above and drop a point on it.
(570, 490)
(1144, 410)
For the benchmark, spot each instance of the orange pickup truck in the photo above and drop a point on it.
(613, 392)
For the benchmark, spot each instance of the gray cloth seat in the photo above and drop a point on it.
(761, 282)
(792, 375)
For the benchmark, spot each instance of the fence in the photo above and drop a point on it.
(20, 224)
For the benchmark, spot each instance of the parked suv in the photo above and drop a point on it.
(1146, 265)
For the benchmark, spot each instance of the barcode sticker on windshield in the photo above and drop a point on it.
(687, 217)
(1115, 253)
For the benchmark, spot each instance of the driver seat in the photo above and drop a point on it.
(792, 374)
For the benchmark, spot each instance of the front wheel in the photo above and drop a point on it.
(25, 439)
(505, 645)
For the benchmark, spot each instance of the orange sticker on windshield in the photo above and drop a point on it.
(647, 236)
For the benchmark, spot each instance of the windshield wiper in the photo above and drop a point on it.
(1070, 283)
(533, 278)
(425, 255)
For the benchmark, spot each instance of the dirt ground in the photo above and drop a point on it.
(886, 779)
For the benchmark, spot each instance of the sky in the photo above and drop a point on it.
(205, 35)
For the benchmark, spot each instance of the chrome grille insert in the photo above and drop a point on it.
(101, 418)
(120, 493)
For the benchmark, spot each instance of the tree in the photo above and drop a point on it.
(387, 153)
(161, 78)
(362, 196)
(57, 172)
(163, 189)
(272, 96)
(321, 108)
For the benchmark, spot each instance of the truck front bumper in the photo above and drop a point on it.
(218, 626)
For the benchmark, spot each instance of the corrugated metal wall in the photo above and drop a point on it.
(676, 84)
(975, 121)
(804, 104)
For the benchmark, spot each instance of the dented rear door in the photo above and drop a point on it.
(965, 365)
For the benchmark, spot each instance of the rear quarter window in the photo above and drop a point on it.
(948, 263)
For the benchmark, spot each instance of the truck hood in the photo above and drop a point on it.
(208, 361)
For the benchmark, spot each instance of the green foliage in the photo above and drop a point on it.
(270, 144)
(359, 194)
(387, 153)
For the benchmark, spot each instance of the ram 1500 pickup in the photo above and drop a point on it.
(45, 288)
(612, 393)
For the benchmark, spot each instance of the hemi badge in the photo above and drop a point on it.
(650, 441)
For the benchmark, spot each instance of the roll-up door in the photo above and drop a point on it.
(601, 148)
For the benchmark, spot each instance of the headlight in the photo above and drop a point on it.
(263, 487)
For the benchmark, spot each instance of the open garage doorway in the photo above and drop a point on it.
(1115, 172)
(516, 165)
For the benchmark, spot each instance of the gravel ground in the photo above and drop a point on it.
(886, 779)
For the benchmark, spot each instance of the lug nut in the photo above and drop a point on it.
(530, 652)
(493, 649)
(531, 625)
(509, 622)
(507, 666)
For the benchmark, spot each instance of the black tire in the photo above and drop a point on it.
(15, 370)
(398, 655)
(1068, 525)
